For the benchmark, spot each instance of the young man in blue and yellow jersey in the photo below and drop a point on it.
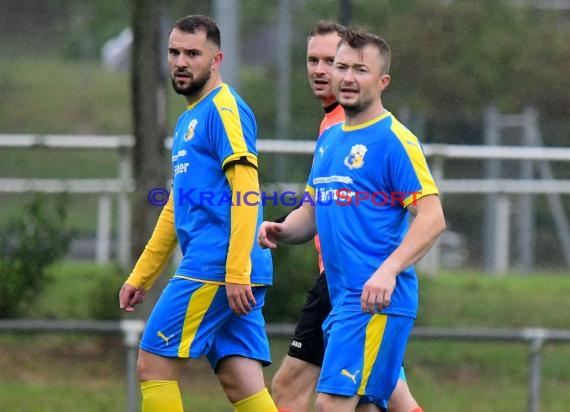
(212, 305)
(369, 173)
(294, 382)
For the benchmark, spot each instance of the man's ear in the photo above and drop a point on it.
(217, 61)
(384, 82)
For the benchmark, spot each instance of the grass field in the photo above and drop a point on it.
(57, 373)
(87, 373)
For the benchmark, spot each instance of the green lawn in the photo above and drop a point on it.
(62, 374)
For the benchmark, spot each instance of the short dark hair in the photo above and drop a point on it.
(358, 38)
(323, 27)
(197, 22)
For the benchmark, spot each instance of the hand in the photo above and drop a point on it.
(240, 298)
(377, 291)
(129, 296)
(268, 234)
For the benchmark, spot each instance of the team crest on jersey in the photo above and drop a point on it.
(355, 158)
(190, 132)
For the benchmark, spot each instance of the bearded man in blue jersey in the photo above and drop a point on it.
(212, 306)
(368, 175)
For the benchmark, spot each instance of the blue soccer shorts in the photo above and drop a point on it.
(363, 353)
(381, 402)
(192, 319)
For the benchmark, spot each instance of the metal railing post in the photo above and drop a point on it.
(132, 330)
(535, 362)
(103, 239)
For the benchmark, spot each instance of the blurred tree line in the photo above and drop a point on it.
(451, 59)
(28, 245)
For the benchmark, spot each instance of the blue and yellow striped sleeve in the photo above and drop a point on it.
(411, 171)
(235, 130)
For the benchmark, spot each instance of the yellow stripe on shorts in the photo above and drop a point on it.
(197, 307)
(374, 334)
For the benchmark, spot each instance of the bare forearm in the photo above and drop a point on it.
(299, 226)
(425, 229)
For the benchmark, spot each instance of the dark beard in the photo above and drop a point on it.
(194, 87)
(357, 108)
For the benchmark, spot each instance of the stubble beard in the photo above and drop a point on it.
(359, 106)
(196, 85)
(353, 109)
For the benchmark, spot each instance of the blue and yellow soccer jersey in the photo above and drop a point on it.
(363, 178)
(213, 133)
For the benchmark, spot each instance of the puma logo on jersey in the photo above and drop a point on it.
(164, 337)
(346, 373)
(322, 150)
(228, 109)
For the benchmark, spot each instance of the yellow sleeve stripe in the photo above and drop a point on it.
(227, 107)
(414, 151)
(310, 190)
(413, 198)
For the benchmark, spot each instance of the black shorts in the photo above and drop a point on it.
(308, 342)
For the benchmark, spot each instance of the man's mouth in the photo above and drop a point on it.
(182, 75)
(348, 90)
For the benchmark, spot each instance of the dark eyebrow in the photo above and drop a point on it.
(185, 51)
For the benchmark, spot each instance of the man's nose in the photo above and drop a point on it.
(321, 67)
(181, 61)
(348, 76)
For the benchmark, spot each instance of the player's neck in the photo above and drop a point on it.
(328, 101)
(330, 107)
(208, 87)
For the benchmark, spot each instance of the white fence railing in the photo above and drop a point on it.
(120, 186)
(131, 331)
(437, 153)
